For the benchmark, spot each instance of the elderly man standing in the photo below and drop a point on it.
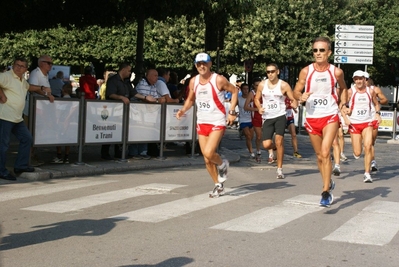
(13, 90)
(39, 77)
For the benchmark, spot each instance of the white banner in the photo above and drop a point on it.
(56, 123)
(386, 124)
(178, 130)
(103, 122)
(144, 122)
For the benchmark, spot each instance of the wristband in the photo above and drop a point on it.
(41, 87)
(145, 97)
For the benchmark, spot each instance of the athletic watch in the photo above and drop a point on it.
(378, 112)
(232, 112)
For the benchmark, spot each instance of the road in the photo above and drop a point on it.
(165, 218)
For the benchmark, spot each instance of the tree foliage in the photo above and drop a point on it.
(264, 30)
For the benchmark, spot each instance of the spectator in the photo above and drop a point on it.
(162, 88)
(13, 90)
(56, 84)
(146, 87)
(39, 77)
(119, 87)
(103, 87)
(172, 85)
(88, 84)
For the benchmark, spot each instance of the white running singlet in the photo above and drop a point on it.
(360, 104)
(209, 100)
(245, 115)
(324, 98)
(273, 101)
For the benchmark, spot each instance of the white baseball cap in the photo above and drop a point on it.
(366, 74)
(202, 57)
(358, 73)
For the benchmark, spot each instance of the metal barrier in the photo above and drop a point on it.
(80, 122)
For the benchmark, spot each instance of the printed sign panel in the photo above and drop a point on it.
(56, 123)
(103, 122)
(178, 130)
(144, 122)
(387, 122)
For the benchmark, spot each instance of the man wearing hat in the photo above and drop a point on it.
(361, 100)
(207, 90)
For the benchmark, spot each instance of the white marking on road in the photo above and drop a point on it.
(376, 225)
(77, 204)
(269, 218)
(49, 189)
(183, 206)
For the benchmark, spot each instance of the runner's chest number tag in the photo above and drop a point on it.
(289, 113)
(205, 105)
(272, 105)
(319, 101)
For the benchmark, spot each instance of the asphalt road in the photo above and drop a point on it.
(163, 217)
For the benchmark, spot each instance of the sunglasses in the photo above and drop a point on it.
(48, 62)
(270, 71)
(321, 50)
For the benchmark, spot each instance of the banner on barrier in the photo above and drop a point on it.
(387, 121)
(144, 122)
(178, 130)
(104, 122)
(56, 123)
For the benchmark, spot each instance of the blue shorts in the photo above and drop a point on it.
(289, 122)
(245, 125)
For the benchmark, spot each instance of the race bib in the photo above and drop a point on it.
(289, 113)
(205, 105)
(319, 102)
(272, 106)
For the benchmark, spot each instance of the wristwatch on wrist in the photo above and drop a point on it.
(378, 112)
(157, 100)
(232, 112)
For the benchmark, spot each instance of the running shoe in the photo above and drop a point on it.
(252, 155)
(356, 157)
(336, 170)
(326, 199)
(297, 155)
(280, 174)
(66, 160)
(367, 178)
(342, 157)
(222, 177)
(271, 159)
(217, 191)
(57, 160)
(374, 166)
(258, 157)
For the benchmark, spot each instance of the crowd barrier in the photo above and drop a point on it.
(80, 122)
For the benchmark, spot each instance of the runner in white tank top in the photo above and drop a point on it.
(207, 91)
(209, 100)
(273, 92)
(319, 79)
(361, 128)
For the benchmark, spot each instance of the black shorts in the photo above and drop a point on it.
(275, 125)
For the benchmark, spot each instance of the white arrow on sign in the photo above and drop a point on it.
(354, 28)
(354, 36)
(353, 52)
(354, 44)
(353, 60)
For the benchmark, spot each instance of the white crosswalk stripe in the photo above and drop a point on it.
(181, 207)
(49, 189)
(104, 198)
(376, 224)
(269, 218)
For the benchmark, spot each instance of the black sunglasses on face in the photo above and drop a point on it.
(270, 71)
(321, 50)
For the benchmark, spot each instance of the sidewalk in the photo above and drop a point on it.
(174, 156)
(233, 148)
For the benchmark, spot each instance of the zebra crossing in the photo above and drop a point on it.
(377, 224)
